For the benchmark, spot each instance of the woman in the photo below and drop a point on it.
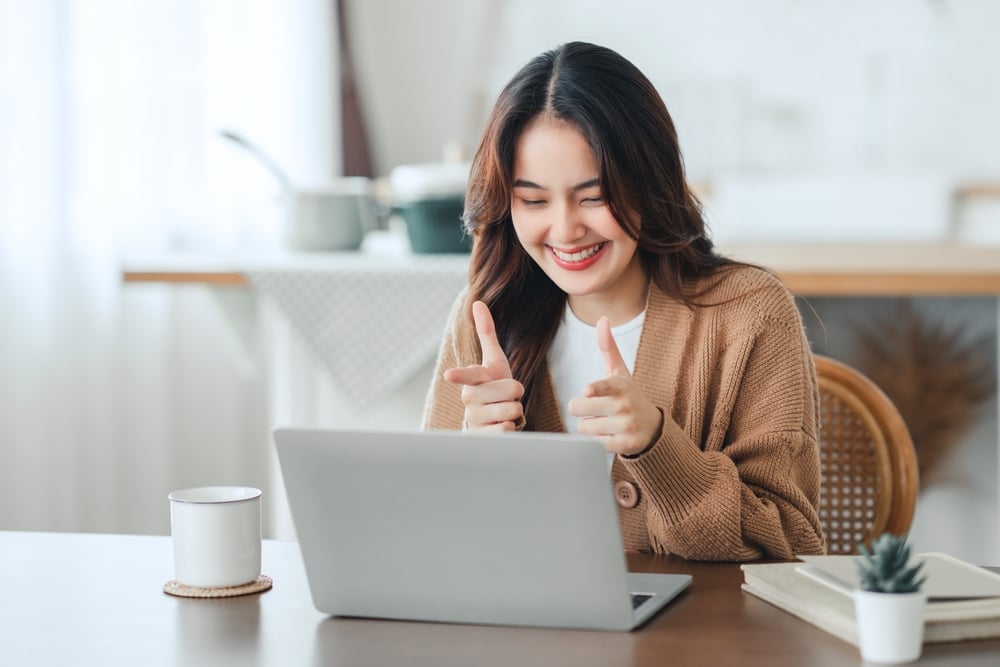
(614, 317)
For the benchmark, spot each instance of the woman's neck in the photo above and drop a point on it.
(621, 303)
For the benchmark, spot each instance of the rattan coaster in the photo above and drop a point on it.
(258, 585)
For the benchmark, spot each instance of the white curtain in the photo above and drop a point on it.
(110, 112)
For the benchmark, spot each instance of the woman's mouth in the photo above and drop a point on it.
(577, 259)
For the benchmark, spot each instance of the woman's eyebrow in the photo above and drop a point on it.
(524, 183)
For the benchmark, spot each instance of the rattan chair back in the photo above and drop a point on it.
(868, 463)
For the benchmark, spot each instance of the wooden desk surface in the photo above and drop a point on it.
(870, 269)
(87, 599)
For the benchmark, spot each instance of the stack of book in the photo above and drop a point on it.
(963, 601)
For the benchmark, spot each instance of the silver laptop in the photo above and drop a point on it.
(513, 529)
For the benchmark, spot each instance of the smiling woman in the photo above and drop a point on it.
(566, 227)
(615, 316)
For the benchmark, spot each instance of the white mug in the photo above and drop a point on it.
(216, 535)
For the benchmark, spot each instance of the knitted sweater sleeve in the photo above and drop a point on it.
(443, 409)
(748, 486)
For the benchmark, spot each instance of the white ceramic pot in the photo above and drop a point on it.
(335, 216)
(890, 625)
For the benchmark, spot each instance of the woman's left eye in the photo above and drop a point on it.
(593, 200)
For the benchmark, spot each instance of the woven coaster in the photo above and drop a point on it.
(259, 585)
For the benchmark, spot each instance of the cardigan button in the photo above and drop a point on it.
(626, 494)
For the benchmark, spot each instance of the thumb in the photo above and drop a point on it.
(493, 355)
(614, 364)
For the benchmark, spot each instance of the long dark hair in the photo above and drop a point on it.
(634, 142)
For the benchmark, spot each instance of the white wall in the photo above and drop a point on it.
(420, 72)
(773, 84)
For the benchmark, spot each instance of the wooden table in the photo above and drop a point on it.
(83, 599)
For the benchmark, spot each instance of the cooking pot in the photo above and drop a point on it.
(430, 198)
(333, 216)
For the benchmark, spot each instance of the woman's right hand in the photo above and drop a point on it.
(492, 397)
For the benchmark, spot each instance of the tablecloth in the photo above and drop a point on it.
(373, 322)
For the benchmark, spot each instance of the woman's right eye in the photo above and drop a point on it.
(532, 202)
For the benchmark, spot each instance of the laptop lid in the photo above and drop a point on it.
(506, 529)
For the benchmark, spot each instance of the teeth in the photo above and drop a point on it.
(578, 256)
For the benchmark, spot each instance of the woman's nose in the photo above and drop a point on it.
(566, 226)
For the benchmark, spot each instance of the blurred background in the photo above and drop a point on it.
(844, 121)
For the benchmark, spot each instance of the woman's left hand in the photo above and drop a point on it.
(615, 409)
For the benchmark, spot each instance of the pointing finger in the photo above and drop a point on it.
(493, 355)
(614, 364)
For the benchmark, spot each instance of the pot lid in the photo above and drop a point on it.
(433, 179)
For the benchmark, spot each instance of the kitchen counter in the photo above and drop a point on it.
(870, 269)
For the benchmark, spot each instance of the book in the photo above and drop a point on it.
(819, 590)
(948, 578)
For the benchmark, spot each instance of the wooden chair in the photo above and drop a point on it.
(869, 466)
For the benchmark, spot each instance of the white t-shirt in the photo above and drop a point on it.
(575, 360)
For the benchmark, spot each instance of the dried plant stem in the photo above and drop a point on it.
(937, 379)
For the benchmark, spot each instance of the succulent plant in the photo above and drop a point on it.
(885, 568)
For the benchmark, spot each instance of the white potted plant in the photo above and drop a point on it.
(889, 605)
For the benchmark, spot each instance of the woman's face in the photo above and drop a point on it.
(563, 222)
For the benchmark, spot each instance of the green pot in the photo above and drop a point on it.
(434, 225)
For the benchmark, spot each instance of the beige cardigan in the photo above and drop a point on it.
(734, 474)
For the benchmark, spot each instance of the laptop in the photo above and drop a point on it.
(501, 529)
